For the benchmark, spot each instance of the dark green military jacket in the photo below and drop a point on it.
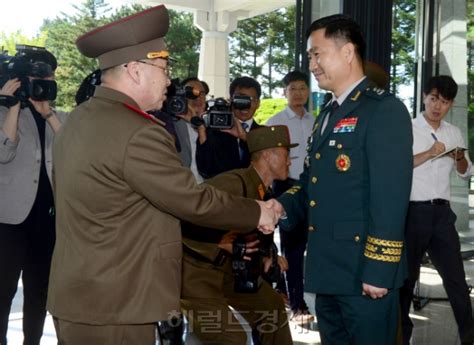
(354, 191)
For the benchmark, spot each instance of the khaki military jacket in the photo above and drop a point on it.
(203, 279)
(120, 190)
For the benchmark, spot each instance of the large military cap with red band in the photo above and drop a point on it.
(136, 37)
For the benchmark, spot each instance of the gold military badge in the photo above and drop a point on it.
(343, 162)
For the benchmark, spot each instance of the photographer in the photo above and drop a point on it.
(211, 277)
(187, 132)
(27, 229)
(219, 151)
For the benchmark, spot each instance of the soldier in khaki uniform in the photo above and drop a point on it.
(208, 282)
(120, 190)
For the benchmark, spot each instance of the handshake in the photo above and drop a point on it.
(270, 212)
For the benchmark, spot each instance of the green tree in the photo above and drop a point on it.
(182, 39)
(62, 33)
(403, 44)
(8, 42)
(263, 47)
(247, 46)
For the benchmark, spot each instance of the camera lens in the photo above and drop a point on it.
(177, 105)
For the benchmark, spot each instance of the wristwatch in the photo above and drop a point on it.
(51, 113)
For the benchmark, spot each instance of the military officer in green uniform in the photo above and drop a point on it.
(354, 191)
(208, 281)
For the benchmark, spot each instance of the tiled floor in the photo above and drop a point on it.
(434, 324)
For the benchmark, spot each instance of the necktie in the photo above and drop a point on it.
(334, 105)
(242, 143)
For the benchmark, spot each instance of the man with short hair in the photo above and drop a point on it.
(353, 192)
(430, 223)
(293, 245)
(224, 150)
(208, 280)
(120, 191)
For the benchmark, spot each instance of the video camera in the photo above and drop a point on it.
(219, 114)
(29, 61)
(248, 274)
(177, 98)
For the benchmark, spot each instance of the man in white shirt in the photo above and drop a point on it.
(293, 245)
(430, 220)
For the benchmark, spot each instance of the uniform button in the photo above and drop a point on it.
(317, 155)
(312, 203)
(339, 146)
(35, 181)
(38, 161)
(356, 238)
(314, 179)
(311, 228)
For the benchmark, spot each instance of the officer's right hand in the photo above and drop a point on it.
(437, 148)
(270, 212)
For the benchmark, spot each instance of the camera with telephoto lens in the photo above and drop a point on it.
(249, 274)
(30, 65)
(219, 114)
(247, 277)
(177, 98)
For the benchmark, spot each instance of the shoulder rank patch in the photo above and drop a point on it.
(143, 114)
(293, 190)
(376, 92)
(383, 250)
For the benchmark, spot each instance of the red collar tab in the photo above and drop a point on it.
(142, 113)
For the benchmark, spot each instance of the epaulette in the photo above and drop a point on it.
(376, 92)
(143, 114)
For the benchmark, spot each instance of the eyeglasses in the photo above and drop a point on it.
(166, 69)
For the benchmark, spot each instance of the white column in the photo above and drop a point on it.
(214, 62)
(214, 53)
(452, 61)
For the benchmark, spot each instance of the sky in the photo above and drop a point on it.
(28, 15)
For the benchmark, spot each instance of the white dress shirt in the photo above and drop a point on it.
(341, 100)
(300, 129)
(431, 180)
(193, 135)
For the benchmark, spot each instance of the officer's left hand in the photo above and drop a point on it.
(373, 291)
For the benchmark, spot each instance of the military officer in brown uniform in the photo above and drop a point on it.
(120, 190)
(208, 282)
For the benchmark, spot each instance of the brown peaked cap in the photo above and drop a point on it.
(127, 39)
(269, 137)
